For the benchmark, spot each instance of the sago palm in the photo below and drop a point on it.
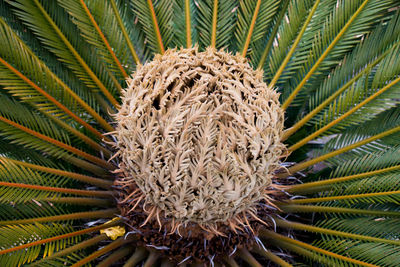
(199, 133)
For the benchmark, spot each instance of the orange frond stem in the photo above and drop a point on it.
(214, 24)
(188, 24)
(104, 39)
(81, 201)
(60, 190)
(308, 187)
(285, 207)
(59, 237)
(55, 142)
(76, 176)
(156, 27)
(108, 213)
(343, 197)
(251, 28)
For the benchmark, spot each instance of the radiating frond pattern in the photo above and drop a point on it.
(63, 68)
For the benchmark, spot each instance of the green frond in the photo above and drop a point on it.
(71, 254)
(11, 236)
(123, 14)
(18, 152)
(62, 261)
(379, 42)
(313, 252)
(85, 22)
(90, 71)
(10, 172)
(13, 49)
(226, 16)
(355, 169)
(22, 195)
(28, 129)
(365, 87)
(289, 26)
(180, 25)
(366, 161)
(328, 35)
(373, 253)
(28, 63)
(22, 115)
(16, 136)
(336, 64)
(155, 18)
(21, 126)
(120, 36)
(30, 209)
(389, 119)
(252, 25)
(384, 228)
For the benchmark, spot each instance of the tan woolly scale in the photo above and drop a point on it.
(199, 133)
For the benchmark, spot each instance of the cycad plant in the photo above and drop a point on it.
(199, 133)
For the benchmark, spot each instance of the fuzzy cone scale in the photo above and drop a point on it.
(199, 134)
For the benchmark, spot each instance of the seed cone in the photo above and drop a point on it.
(198, 137)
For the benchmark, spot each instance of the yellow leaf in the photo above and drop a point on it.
(113, 232)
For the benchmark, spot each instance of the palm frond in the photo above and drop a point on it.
(382, 40)
(252, 25)
(111, 24)
(374, 253)
(365, 88)
(155, 20)
(12, 236)
(288, 29)
(40, 21)
(344, 149)
(29, 130)
(215, 22)
(335, 199)
(84, 20)
(61, 100)
(343, 29)
(185, 33)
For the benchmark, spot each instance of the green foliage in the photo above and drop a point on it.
(11, 236)
(352, 90)
(179, 23)
(246, 9)
(375, 253)
(226, 15)
(151, 28)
